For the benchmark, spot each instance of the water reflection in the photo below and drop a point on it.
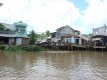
(54, 65)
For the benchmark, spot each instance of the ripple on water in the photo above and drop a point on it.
(54, 65)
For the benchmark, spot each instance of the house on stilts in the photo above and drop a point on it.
(99, 38)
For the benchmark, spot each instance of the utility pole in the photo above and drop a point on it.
(28, 12)
(9, 15)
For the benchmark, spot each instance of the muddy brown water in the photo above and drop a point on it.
(53, 65)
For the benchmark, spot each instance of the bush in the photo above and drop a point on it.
(13, 48)
(3, 47)
(16, 48)
(33, 48)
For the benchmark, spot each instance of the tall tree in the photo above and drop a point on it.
(48, 33)
(33, 37)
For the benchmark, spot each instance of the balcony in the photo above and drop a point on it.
(6, 32)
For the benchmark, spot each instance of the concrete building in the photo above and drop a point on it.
(64, 30)
(68, 35)
(100, 31)
(75, 39)
(99, 40)
(99, 37)
(14, 34)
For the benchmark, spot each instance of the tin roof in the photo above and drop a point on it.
(75, 36)
(64, 27)
(70, 35)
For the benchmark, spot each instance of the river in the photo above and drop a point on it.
(53, 65)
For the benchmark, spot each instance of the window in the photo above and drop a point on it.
(17, 30)
(22, 30)
(96, 32)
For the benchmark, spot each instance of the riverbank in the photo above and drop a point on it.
(20, 48)
(71, 47)
(46, 47)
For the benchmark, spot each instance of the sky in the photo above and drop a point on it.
(42, 15)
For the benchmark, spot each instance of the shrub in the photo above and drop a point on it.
(33, 48)
(16, 48)
(3, 47)
(13, 48)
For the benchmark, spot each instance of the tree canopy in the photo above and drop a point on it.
(48, 33)
(33, 37)
(2, 27)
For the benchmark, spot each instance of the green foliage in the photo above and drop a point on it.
(9, 48)
(37, 37)
(33, 37)
(42, 36)
(33, 48)
(90, 35)
(3, 47)
(13, 48)
(48, 33)
(2, 27)
(21, 48)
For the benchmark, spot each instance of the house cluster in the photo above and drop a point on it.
(66, 34)
(15, 33)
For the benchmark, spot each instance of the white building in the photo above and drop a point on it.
(100, 31)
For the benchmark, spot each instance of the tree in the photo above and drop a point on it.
(90, 35)
(33, 37)
(2, 27)
(43, 36)
(48, 33)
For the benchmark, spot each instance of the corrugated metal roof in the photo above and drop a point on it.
(75, 36)
(95, 39)
(70, 35)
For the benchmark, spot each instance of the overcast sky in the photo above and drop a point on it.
(42, 15)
